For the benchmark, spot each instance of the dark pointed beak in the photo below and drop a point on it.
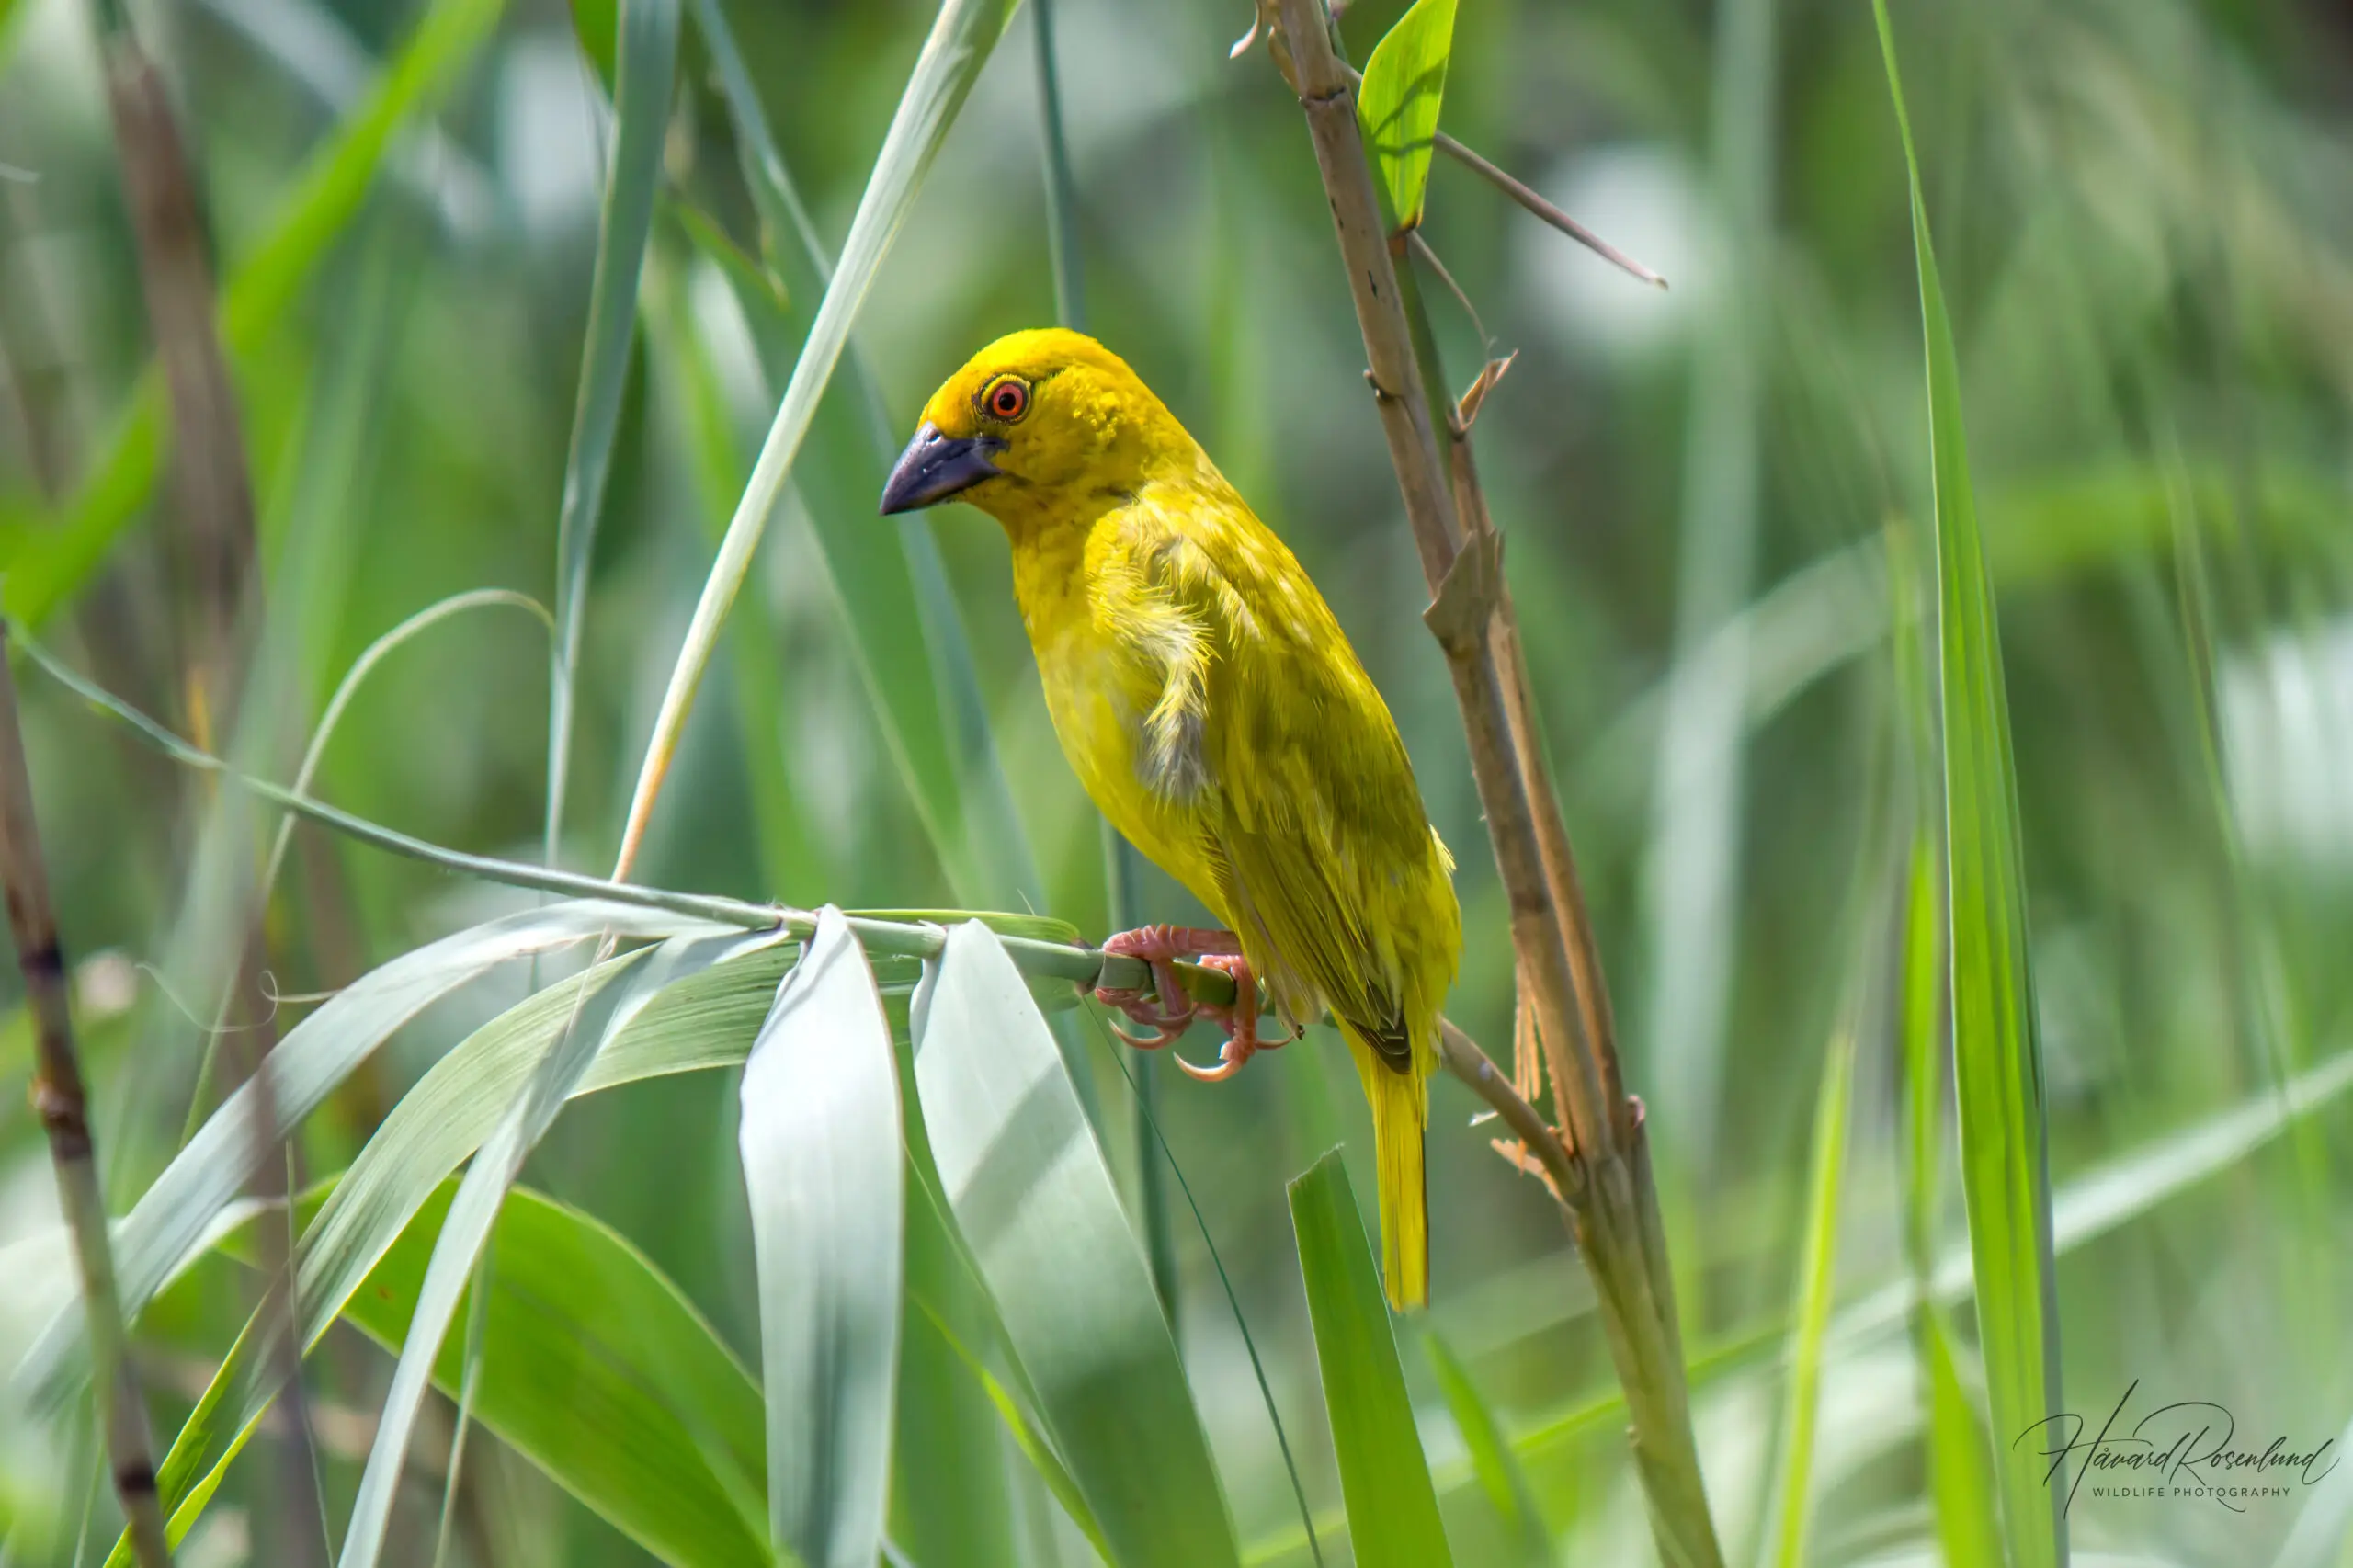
(935, 467)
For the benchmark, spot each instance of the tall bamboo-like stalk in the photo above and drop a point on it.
(59, 1097)
(1614, 1208)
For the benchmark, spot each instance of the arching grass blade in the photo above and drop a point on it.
(960, 40)
(1392, 1508)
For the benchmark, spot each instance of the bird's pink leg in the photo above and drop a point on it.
(1170, 1009)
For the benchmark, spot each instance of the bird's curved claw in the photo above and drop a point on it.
(1229, 1061)
(1162, 1034)
(1240, 1021)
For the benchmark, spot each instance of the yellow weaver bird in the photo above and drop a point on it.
(1211, 706)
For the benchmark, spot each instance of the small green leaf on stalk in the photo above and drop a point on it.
(1393, 1507)
(1399, 102)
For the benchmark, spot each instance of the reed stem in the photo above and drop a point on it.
(59, 1097)
(1613, 1208)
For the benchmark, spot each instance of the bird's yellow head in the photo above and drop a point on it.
(1038, 426)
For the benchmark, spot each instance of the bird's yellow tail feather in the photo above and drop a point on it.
(1400, 1112)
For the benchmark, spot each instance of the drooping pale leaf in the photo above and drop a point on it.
(648, 55)
(169, 1220)
(1392, 1508)
(48, 565)
(441, 1121)
(694, 1004)
(1817, 1285)
(465, 1230)
(437, 1126)
(1023, 1428)
(823, 1172)
(1398, 105)
(1997, 1056)
(1497, 1468)
(598, 1369)
(1033, 1197)
(947, 1511)
(458, 1102)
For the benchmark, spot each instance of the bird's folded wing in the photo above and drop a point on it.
(1301, 786)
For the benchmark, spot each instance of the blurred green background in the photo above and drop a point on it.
(2145, 217)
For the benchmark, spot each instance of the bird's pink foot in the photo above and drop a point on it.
(1169, 1009)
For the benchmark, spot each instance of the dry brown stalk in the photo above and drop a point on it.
(1613, 1205)
(59, 1097)
(212, 496)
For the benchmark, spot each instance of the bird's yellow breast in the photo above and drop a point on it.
(1098, 696)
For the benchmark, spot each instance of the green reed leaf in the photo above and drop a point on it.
(1398, 105)
(1997, 1055)
(1392, 1508)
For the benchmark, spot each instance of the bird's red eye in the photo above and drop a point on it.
(1008, 400)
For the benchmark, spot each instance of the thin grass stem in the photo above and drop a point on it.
(1519, 192)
